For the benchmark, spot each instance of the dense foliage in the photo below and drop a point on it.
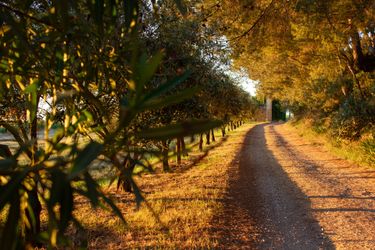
(119, 80)
(316, 56)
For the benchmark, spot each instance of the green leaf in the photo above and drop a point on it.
(113, 207)
(7, 164)
(57, 179)
(5, 151)
(10, 235)
(147, 69)
(32, 89)
(167, 86)
(11, 188)
(157, 103)
(178, 130)
(59, 134)
(92, 190)
(61, 193)
(66, 206)
(137, 193)
(85, 157)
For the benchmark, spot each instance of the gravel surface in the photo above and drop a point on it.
(289, 193)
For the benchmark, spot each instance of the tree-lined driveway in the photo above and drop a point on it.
(289, 193)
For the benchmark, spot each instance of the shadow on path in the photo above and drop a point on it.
(263, 208)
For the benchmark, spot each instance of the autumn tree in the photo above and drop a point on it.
(315, 56)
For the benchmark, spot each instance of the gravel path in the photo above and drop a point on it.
(289, 193)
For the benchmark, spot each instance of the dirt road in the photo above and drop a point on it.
(288, 193)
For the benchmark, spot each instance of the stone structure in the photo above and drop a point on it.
(268, 109)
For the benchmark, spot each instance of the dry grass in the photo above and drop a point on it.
(179, 210)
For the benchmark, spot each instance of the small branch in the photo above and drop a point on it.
(263, 14)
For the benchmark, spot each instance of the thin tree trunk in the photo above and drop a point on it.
(201, 142)
(357, 48)
(129, 166)
(178, 151)
(213, 135)
(223, 131)
(183, 147)
(126, 183)
(165, 151)
(192, 139)
(208, 138)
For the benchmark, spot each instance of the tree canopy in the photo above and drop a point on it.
(116, 78)
(315, 56)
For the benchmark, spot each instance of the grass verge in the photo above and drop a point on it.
(179, 209)
(360, 152)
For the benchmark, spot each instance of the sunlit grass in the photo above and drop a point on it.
(179, 205)
(178, 210)
(360, 152)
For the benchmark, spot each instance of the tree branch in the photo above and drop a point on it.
(263, 14)
(23, 14)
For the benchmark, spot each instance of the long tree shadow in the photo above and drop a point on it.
(263, 208)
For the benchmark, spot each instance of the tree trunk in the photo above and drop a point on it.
(165, 151)
(208, 138)
(201, 142)
(183, 147)
(127, 186)
(129, 167)
(223, 131)
(192, 139)
(357, 49)
(213, 135)
(360, 61)
(178, 151)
